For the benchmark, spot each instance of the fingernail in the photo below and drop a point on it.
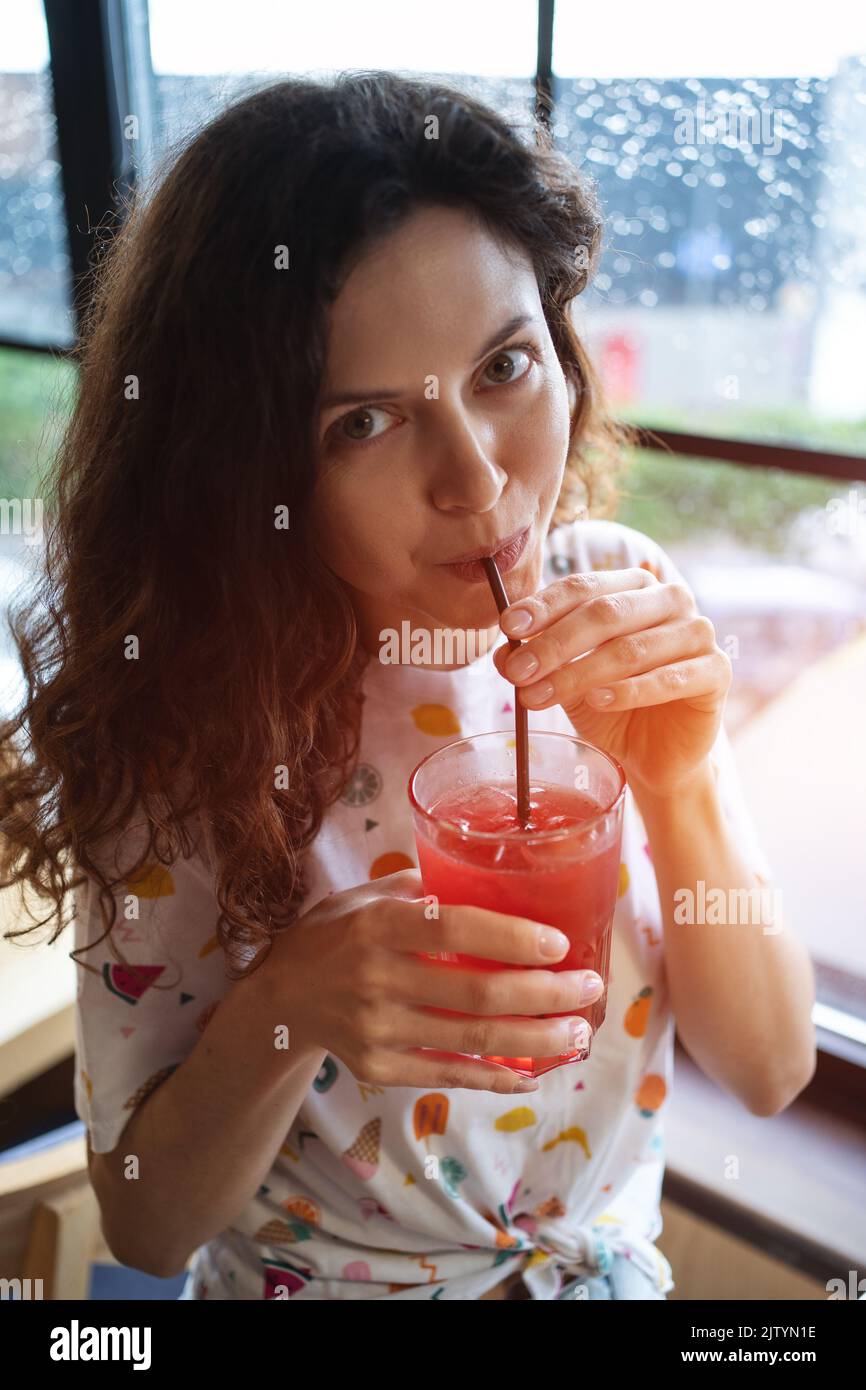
(518, 620)
(579, 1033)
(537, 693)
(553, 942)
(526, 1085)
(592, 989)
(600, 697)
(523, 665)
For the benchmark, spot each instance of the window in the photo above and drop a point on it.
(206, 54)
(34, 259)
(731, 301)
(732, 297)
(730, 306)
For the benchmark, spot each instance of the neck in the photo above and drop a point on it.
(433, 649)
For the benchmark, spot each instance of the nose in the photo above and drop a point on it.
(464, 474)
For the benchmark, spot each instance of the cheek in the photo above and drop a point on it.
(541, 433)
(359, 525)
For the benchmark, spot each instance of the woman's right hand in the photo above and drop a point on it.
(350, 977)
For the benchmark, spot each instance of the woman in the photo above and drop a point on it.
(331, 353)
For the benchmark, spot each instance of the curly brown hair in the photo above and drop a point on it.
(177, 652)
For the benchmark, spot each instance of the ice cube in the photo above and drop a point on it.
(482, 807)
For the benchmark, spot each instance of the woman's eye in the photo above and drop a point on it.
(501, 360)
(355, 426)
(358, 427)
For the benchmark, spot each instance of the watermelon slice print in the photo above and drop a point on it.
(127, 984)
(279, 1276)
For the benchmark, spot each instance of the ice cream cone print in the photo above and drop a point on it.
(551, 1208)
(430, 1114)
(302, 1211)
(363, 1156)
(276, 1232)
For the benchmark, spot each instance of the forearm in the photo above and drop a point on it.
(208, 1136)
(741, 990)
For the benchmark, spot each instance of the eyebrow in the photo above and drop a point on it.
(389, 393)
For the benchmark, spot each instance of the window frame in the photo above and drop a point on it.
(93, 53)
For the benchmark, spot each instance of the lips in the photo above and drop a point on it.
(484, 551)
(506, 558)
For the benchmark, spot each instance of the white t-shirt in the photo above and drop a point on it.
(554, 1183)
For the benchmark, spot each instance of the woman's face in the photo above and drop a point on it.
(451, 430)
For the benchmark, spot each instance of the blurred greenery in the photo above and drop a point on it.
(671, 497)
(792, 424)
(675, 497)
(37, 391)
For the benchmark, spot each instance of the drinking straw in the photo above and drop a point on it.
(494, 578)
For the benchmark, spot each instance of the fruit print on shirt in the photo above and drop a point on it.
(351, 1207)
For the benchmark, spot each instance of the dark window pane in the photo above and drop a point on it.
(34, 259)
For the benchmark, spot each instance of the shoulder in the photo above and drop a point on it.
(161, 903)
(597, 544)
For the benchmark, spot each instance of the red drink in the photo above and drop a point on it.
(562, 870)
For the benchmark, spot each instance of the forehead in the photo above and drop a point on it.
(441, 282)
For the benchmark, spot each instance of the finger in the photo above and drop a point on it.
(466, 989)
(588, 625)
(684, 680)
(631, 655)
(489, 1037)
(443, 1071)
(430, 926)
(558, 598)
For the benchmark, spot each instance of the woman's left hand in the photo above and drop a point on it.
(644, 640)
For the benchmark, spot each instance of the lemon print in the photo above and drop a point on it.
(436, 720)
(519, 1118)
(624, 880)
(151, 881)
(538, 1257)
(363, 786)
(390, 863)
